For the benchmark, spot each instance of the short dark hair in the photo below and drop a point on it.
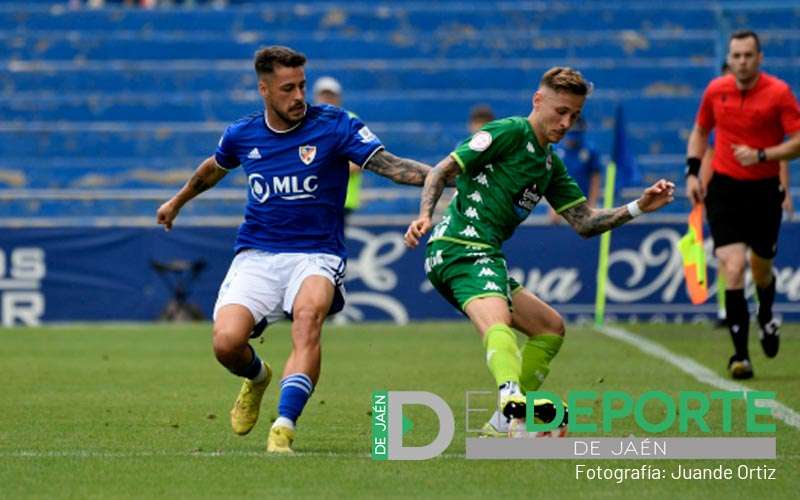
(268, 57)
(741, 34)
(563, 79)
(481, 112)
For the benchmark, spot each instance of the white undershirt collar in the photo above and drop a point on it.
(266, 122)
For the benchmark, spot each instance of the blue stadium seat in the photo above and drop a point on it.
(131, 99)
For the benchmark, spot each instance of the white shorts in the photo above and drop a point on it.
(267, 283)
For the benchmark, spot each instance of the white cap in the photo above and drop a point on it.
(327, 84)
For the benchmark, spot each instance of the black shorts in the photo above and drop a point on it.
(746, 212)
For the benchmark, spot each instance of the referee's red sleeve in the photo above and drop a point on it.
(705, 115)
(790, 112)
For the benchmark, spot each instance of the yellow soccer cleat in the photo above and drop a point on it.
(513, 405)
(244, 413)
(490, 431)
(280, 439)
(544, 411)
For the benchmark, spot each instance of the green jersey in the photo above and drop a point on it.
(505, 172)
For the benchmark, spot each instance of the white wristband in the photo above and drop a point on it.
(633, 209)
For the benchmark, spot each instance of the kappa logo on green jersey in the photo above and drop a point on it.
(482, 179)
(472, 213)
(476, 197)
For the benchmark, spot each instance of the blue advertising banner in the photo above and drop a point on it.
(112, 274)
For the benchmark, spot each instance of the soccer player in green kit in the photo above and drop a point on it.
(501, 173)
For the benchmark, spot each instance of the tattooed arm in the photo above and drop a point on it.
(205, 177)
(590, 222)
(400, 170)
(444, 173)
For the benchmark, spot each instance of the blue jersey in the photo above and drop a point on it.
(582, 163)
(297, 178)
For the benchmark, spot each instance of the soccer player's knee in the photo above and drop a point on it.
(762, 275)
(734, 263)
(308, 317)
(225, 342)
(557, 325)
(549, 322)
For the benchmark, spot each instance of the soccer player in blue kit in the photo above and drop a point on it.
(290, 254)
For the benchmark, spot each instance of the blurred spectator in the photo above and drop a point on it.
(328, 90)
(479, 116)
(583, 164)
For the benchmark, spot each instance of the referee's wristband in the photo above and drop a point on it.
(692, 166)
(633, 209)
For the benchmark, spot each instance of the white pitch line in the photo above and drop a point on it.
(698, 371)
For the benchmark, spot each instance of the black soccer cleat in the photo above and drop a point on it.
(740, 369)
(770, 337)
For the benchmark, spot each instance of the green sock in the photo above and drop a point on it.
(536, 356)
(720, 294)
(502, 353)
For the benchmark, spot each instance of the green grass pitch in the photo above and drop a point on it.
(141, 411)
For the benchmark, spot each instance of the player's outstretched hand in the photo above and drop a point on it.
(657, 195)
(416, 230)
(745, 154)
(166, 214)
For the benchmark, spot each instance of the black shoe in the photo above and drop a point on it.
(770, 337)
(740, 369)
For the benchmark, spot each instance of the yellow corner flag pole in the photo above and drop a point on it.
(605, 245)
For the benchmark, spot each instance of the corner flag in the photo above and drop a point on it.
(694, 257)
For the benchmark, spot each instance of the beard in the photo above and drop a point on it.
(286, 116)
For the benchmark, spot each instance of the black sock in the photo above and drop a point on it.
(738, 321)
(766, 296)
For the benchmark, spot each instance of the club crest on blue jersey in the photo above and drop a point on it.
(307, 154)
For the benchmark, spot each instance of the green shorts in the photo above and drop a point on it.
(462, 273)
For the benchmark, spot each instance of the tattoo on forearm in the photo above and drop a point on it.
(431, 192)
(198, 183)
(205, 177)
(590, 222)
(444, 174)
(400, 170)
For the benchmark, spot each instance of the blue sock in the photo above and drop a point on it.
(295, 391)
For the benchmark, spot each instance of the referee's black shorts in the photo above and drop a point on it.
(746, 212)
